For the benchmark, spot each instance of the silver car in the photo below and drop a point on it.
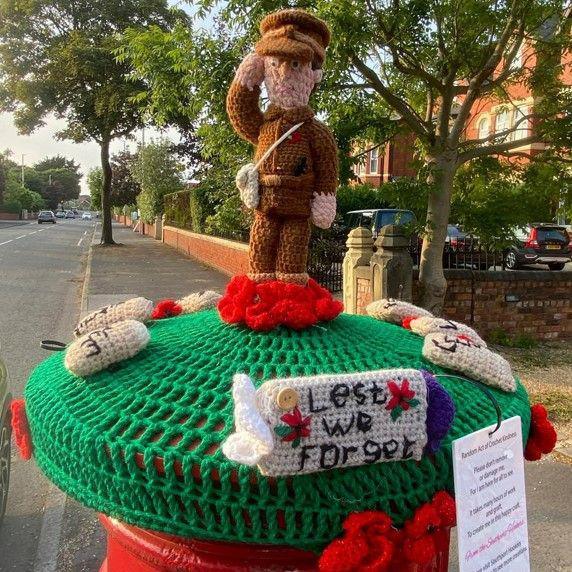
(5, 431)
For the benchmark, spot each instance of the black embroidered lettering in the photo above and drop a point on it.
(379, 396)
(364, 421)
(373, 450)
(337, 428)
(359, 395)
(345, 453)
(324, 450)
(304, 456)
(390, 448)
(407, 444)
(339, 394)
(313, 408)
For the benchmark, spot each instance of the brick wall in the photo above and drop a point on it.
(9, 216)
(538, 304)
(225, 255)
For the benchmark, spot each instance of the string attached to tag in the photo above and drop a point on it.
(486, 391)
(53, 345)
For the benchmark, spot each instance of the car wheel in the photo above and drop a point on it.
(510, 260)
(556, 266)
(4, 464)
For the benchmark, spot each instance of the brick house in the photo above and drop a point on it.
(388, 161)
(489, 116)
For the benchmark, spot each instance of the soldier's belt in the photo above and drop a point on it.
(302, 182)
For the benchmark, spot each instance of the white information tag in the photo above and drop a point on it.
(491, 500)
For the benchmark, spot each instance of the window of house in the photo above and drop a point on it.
(522, 125)
(516, 63)
(374, 160)
(502, 122)
(483, 128)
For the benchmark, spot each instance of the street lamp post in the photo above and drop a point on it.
(22, 177)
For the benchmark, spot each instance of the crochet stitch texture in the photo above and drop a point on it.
(142, 443)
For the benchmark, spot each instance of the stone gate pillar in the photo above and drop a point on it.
(391, 265)
(356, 270)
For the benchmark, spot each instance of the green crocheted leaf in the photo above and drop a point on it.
(413, 402)
(282, 430)
(142, 443)
(396, 413)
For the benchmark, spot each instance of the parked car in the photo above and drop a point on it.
(86, 216)
(70, 214)
(540, 243)
(375, 219)
(5, 431)
(61, 214)
(46, 216)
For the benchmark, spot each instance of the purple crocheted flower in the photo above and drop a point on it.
(440, 412)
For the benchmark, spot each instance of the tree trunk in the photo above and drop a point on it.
(432, 281)
(106, 229)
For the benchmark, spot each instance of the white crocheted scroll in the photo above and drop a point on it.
(139, 309)
(307, 424)
(199, 301)
(390, 310)
(460, 353)
(100, 348)
(426, 325)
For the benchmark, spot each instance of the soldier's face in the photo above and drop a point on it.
(289, 82)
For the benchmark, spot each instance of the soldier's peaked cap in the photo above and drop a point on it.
(294, 33)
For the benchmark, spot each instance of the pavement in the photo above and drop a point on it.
(49, 276)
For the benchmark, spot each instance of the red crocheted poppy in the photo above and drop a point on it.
(425, 518)
(267, 305)
(542, 436)
(21, 428)
(444, 504)
(406, 322)
(343, 554)
(166, 309)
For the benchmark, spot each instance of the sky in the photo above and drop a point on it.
(43, 143)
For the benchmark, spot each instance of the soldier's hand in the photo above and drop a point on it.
(250, 72)
(323, 210)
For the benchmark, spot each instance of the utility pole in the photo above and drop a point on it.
(22, 178)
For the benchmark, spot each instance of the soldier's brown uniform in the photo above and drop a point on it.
(300, 166)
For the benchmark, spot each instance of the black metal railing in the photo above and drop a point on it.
(462, 252)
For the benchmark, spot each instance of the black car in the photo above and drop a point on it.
(540, 243)
(375, 219)
(5, 431)
(46, 216)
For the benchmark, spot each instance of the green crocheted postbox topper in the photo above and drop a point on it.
(142, 442)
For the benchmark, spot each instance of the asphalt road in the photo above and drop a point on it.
(42, 270)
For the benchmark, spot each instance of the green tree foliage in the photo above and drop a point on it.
(95, 184)
(58, 57)
(417, 65)
(158, 172)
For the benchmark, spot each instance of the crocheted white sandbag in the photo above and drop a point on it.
(391, 310)
(199, 301)
(102, 347)
(457, 352)
(426, 325)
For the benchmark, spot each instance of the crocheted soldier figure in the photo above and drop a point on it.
(297, 182)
